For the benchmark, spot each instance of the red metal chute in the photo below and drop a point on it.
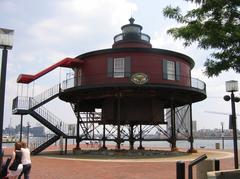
(66, 62)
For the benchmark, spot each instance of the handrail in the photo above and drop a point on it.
(194, 162)
(66, 62)
(45, 95)
(25, 103)
(154, 79)
(50, 117)
(142, 36)
(20, 102)
(40, 140)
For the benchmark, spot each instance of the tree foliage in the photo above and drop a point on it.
(215, 24)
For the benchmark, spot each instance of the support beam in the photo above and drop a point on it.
(78, 132)
(118, 141)
(21, 126)
(93, 127)
(66, 141)
(173, 127)
(87, 125)
(131, 138)
(104, 137)
(118, 137)
(140, 139)
(191, 140)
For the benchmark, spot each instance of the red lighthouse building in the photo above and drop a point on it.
(122, 93)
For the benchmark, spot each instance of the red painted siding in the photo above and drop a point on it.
(94, 70)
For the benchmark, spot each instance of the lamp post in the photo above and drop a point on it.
(222, 135)
(232, 86)
(6, 40)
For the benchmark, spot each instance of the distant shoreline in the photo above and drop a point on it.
(215, 138)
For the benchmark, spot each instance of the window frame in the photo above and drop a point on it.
(171, 70)
(119, 67)
(174, 73)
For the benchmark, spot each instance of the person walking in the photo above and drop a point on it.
(15, 166)
(26, 161)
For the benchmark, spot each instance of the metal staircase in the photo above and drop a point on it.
(23, 105)
(44, 97)
(49, 120)
(33, 106)
(44, 145)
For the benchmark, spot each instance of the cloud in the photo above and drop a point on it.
(73, 27)
(67, 28)
(7, 6)
(77, 22)
(161, 39)
(48, 31)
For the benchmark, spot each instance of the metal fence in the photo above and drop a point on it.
(154, 79)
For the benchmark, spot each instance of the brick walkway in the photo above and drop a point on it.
(54, 168)
(75, 169)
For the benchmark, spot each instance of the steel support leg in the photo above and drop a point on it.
(118, 125)
(191, 140)
(66, 146)
(140, 139)
(118, 137)
(131, 138)
(104, 137)
(21, 126)
(78, 133)
(173, 127)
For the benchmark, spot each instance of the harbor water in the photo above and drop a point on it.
(198, 143)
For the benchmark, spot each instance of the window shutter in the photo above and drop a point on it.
(127, 67)
(110, 67)
(165, 69)
(177, 66)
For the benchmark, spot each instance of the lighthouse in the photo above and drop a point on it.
(122, 93)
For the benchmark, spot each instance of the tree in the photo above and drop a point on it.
(215, 24)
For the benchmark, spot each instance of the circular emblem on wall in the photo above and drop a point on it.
(139, 78)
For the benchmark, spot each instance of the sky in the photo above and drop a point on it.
(48, 31)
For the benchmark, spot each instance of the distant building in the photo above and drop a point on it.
(37, 131)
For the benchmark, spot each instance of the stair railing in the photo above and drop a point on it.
(20, 102)
(53, 119)
(40, 140)
(45, 95)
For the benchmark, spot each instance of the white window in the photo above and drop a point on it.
(170, 70)
(118, 67)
